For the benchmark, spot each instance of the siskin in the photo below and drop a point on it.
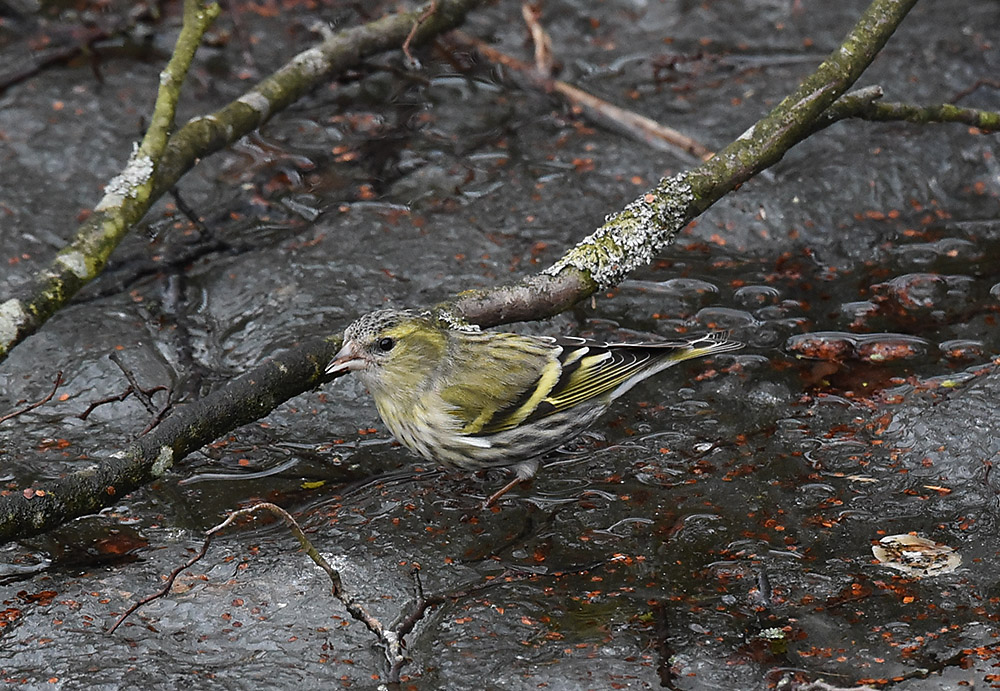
(472, 399)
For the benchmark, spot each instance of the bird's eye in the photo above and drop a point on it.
(386, 344)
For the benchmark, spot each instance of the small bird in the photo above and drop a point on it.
(473, 399)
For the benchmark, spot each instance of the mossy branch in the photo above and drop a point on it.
(158, 163)
(126, 199)
(630, 238)
(864, 104)
(249, 397)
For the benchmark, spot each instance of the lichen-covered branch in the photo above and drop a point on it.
(254, 394)
(630, 238)
(633, 236)
(126, 199)
(863, 104)
(249, 397)
(149, 174)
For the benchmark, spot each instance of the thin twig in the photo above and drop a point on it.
(144, 396)
(544, 62)
(421, 603)
(41, 402)
(189, 212)
(391, 642)
(634, 125)
(391, 638)
(139, 392)
(159, 414)
(118, 398)
(110, 399)
(413, 63)
(168, 584)
(979, 83)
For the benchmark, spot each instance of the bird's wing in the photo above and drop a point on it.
(503, 374)
(588, 370)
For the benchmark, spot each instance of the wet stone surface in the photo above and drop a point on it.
(713, 530)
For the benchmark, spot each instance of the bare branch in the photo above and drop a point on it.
(139, 392)
(427, 14)
(391, 638)
(148, 175)
(36, 404)
(126, 199)
(639, 127)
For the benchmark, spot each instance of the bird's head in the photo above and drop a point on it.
(391, 349)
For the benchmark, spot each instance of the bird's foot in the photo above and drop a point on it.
(523, 472)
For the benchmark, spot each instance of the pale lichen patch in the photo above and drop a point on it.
(452, 321)
(12, 317)
(257, 102)
(313, 61)
(631, 238)
(164, 460)
(213, 121)
(75, 262)
(126, 185)
(748, 134)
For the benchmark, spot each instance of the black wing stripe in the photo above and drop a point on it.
(502, 418)
(604, 377)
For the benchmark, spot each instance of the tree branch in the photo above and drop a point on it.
(638, 127)
(632, 237)
(148, 175)
(36, 404)
(390, 637)
(126, 199)
(242, 400)
(863, 104)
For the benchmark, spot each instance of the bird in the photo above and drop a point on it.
(471, 399)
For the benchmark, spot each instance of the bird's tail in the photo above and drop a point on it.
(709, 344)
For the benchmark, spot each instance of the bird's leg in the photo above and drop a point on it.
(502, 491)
(523, 471)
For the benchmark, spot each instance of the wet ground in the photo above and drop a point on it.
(713, 531)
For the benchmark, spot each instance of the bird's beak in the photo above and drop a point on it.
(347, 360)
